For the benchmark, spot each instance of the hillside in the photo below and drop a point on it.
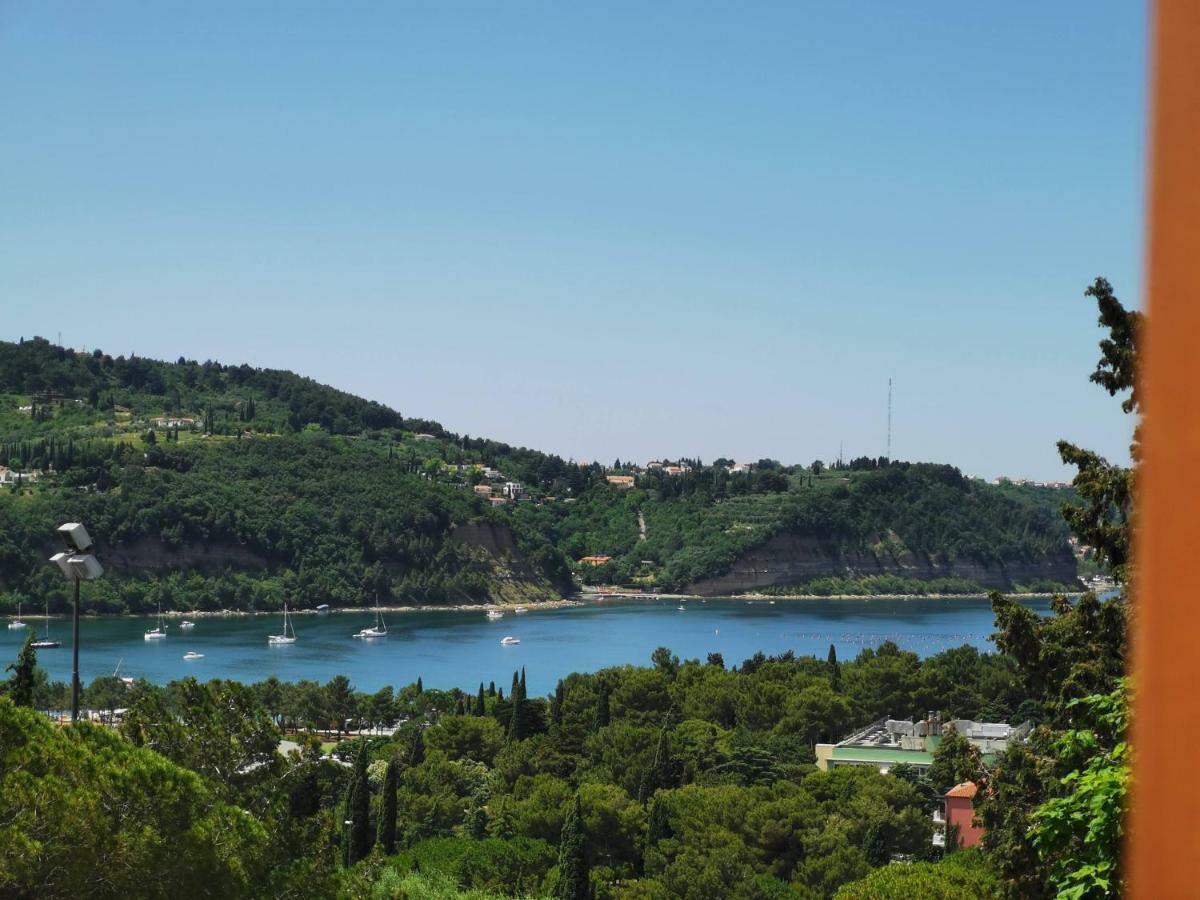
(229, 487)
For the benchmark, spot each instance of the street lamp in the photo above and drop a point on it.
(77, 564)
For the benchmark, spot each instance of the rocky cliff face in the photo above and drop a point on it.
(146, 554)
(793, 559)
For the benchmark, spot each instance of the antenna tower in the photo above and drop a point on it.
(889, 442)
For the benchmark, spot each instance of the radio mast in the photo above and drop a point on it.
(889, 441)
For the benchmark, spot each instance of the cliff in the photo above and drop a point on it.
(793, 559)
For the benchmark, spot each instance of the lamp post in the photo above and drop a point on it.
(76, 564)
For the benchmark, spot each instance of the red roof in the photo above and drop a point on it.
(966, 789)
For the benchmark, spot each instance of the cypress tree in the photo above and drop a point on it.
(420, 686)
(603, 713)
(524, 695)
(573, 881)
(20, 686)
(358, 808)
(661, 773)
(835, 670)
(416, 753)
(387, 812)
(491, 689)
(556, 705)
(480, 707)
(516, 686)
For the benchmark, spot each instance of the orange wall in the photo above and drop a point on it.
(960, 811)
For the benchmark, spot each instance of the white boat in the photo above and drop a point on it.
(520, 609)
(192, 654)
(158, 632)
(509, 641)
(289, 633)
(378, 630)
(681, 608)
(17, 623)
(187, 625)
(494, 614)
(323, 609)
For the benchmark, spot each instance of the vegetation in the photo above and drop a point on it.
(227, 487)
(678, 779)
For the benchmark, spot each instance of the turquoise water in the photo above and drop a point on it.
(460, 649)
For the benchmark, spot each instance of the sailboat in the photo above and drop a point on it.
(159, 631)
(379, 629)
(46, 643)
(17, 623)
(289, 632)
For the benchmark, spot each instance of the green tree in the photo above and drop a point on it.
(358, 809)
(21, 685)
(573, 871)
(387, 809)
(954, 761)
(603, 713)
(835, 671)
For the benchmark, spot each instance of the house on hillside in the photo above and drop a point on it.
(483, 490)
(958, 813)
(621, 481)
(594, 560)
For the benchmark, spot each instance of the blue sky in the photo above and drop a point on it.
(628, 230)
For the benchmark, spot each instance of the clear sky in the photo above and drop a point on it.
(619, 229)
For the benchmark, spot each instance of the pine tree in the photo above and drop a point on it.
(573, 881)
(358, 809)
(387, 811)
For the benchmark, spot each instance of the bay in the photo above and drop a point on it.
(460, 649)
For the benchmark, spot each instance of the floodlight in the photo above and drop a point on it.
(75, 536)
(85, 567)
(62, 560)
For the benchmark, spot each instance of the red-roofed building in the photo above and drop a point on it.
(960, 812)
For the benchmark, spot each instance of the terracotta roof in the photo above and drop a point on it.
(966, 789)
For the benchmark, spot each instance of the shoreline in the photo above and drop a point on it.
(588, 598)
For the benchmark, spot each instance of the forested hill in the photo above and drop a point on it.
(229, 487)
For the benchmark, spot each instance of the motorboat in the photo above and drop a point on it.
(378, 630)
(17, 623)
(509, 641)
(323, 609)
(187, 625)
(681, 608)
(159, 631)
(494, 614)
(520, 609)
(192, 654)
(289, 633)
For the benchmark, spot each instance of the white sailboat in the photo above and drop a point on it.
(379, 629)
(158, 632)
(289, 633)
(46, 643)
(17, 623)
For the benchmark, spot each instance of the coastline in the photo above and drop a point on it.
(586, 598)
